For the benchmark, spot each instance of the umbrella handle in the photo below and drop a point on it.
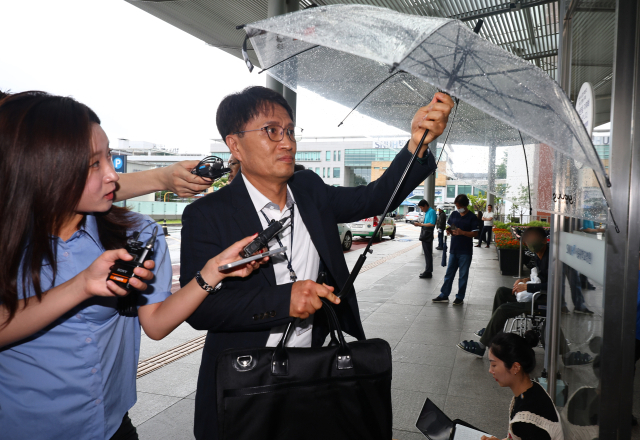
(348, 285)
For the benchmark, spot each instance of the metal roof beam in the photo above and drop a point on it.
(538, 55)
(499, 9)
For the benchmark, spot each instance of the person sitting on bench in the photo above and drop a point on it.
(505, 303)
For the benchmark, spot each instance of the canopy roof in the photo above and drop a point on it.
(527, 28)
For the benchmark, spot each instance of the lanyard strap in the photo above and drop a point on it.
(292, 273)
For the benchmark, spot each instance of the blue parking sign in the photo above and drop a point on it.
(119, 163)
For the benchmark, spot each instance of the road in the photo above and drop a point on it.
(403, 231)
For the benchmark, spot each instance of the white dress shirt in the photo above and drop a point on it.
(488, 215)
(304, 257)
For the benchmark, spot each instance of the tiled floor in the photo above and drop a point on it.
(395, 305)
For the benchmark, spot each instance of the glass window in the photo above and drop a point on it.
(478, 192)
(451, 191)
(339, 154)
(323, 172)
(336, 172)
(308, 156)
(376, 168)
(464, 189)
(334, 156)
(328, 156)
(318, 171)
(384, 168)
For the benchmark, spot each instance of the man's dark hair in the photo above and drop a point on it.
(4, 95)
(537, 230)
(423, 202)
(462, 200)
(489, 205)
(237, 109)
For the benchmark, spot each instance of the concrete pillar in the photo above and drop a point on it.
(274, 8)
(430, 182)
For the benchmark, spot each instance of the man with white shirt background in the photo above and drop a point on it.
(257, 126)
(485, 234)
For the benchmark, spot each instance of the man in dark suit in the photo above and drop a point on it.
(257, 126)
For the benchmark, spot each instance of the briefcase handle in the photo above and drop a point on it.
(280, 357)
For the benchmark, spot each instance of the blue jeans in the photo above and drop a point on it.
(440, 239)
(456, 261)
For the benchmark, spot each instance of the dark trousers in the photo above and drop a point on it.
(485, 235)
(505, 306)
(573, 276)
(126, 431)
(427, 247)
(440, 238)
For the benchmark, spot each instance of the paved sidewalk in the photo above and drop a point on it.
(395, 305)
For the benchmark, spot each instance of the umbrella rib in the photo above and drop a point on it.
(288, 58)
(370, 92)
(526, 165)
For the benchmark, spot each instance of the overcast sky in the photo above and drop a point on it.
(146, 79)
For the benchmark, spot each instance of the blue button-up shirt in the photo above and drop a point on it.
(77, 377)
(430, 217)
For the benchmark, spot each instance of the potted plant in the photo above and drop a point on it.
(508, 249)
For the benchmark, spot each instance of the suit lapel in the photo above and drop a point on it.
(247, 219)
(311, 217)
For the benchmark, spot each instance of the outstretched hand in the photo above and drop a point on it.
(178, 179)
(433, 117)
(231, 255)
(95, 276)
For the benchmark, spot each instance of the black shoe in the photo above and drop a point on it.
(425, 275)
(440, 299)
(438, 248)
(565, 310)
(479, 333)
(458, 302)
(472, 347)
(574, 358)
(583, 311)
(478, 245)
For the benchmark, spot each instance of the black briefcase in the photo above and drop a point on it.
(342, 391)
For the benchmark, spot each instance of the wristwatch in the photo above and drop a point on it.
(207, 287)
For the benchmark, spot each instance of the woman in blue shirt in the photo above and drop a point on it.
(68, 359)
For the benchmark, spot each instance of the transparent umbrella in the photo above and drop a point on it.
(343, 52)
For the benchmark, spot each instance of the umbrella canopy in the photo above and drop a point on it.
(343, 52)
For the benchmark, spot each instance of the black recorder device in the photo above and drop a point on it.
(263, 239)
(122, 271)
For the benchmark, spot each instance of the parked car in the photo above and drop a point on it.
(413, 216)
(367, 226)
(346, 237)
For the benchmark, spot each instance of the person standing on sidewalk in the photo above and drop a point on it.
(464, 227)
(485, 234)
(441, 224)
(426, 236)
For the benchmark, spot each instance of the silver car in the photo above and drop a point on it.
(346, 236)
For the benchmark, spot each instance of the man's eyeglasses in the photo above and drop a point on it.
(276, 132)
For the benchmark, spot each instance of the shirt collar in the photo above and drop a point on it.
(260, 201)
(90, 227)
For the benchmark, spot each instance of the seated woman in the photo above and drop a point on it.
(532, 415)
(68, 351)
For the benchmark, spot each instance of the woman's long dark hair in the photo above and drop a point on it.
(45, 148)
